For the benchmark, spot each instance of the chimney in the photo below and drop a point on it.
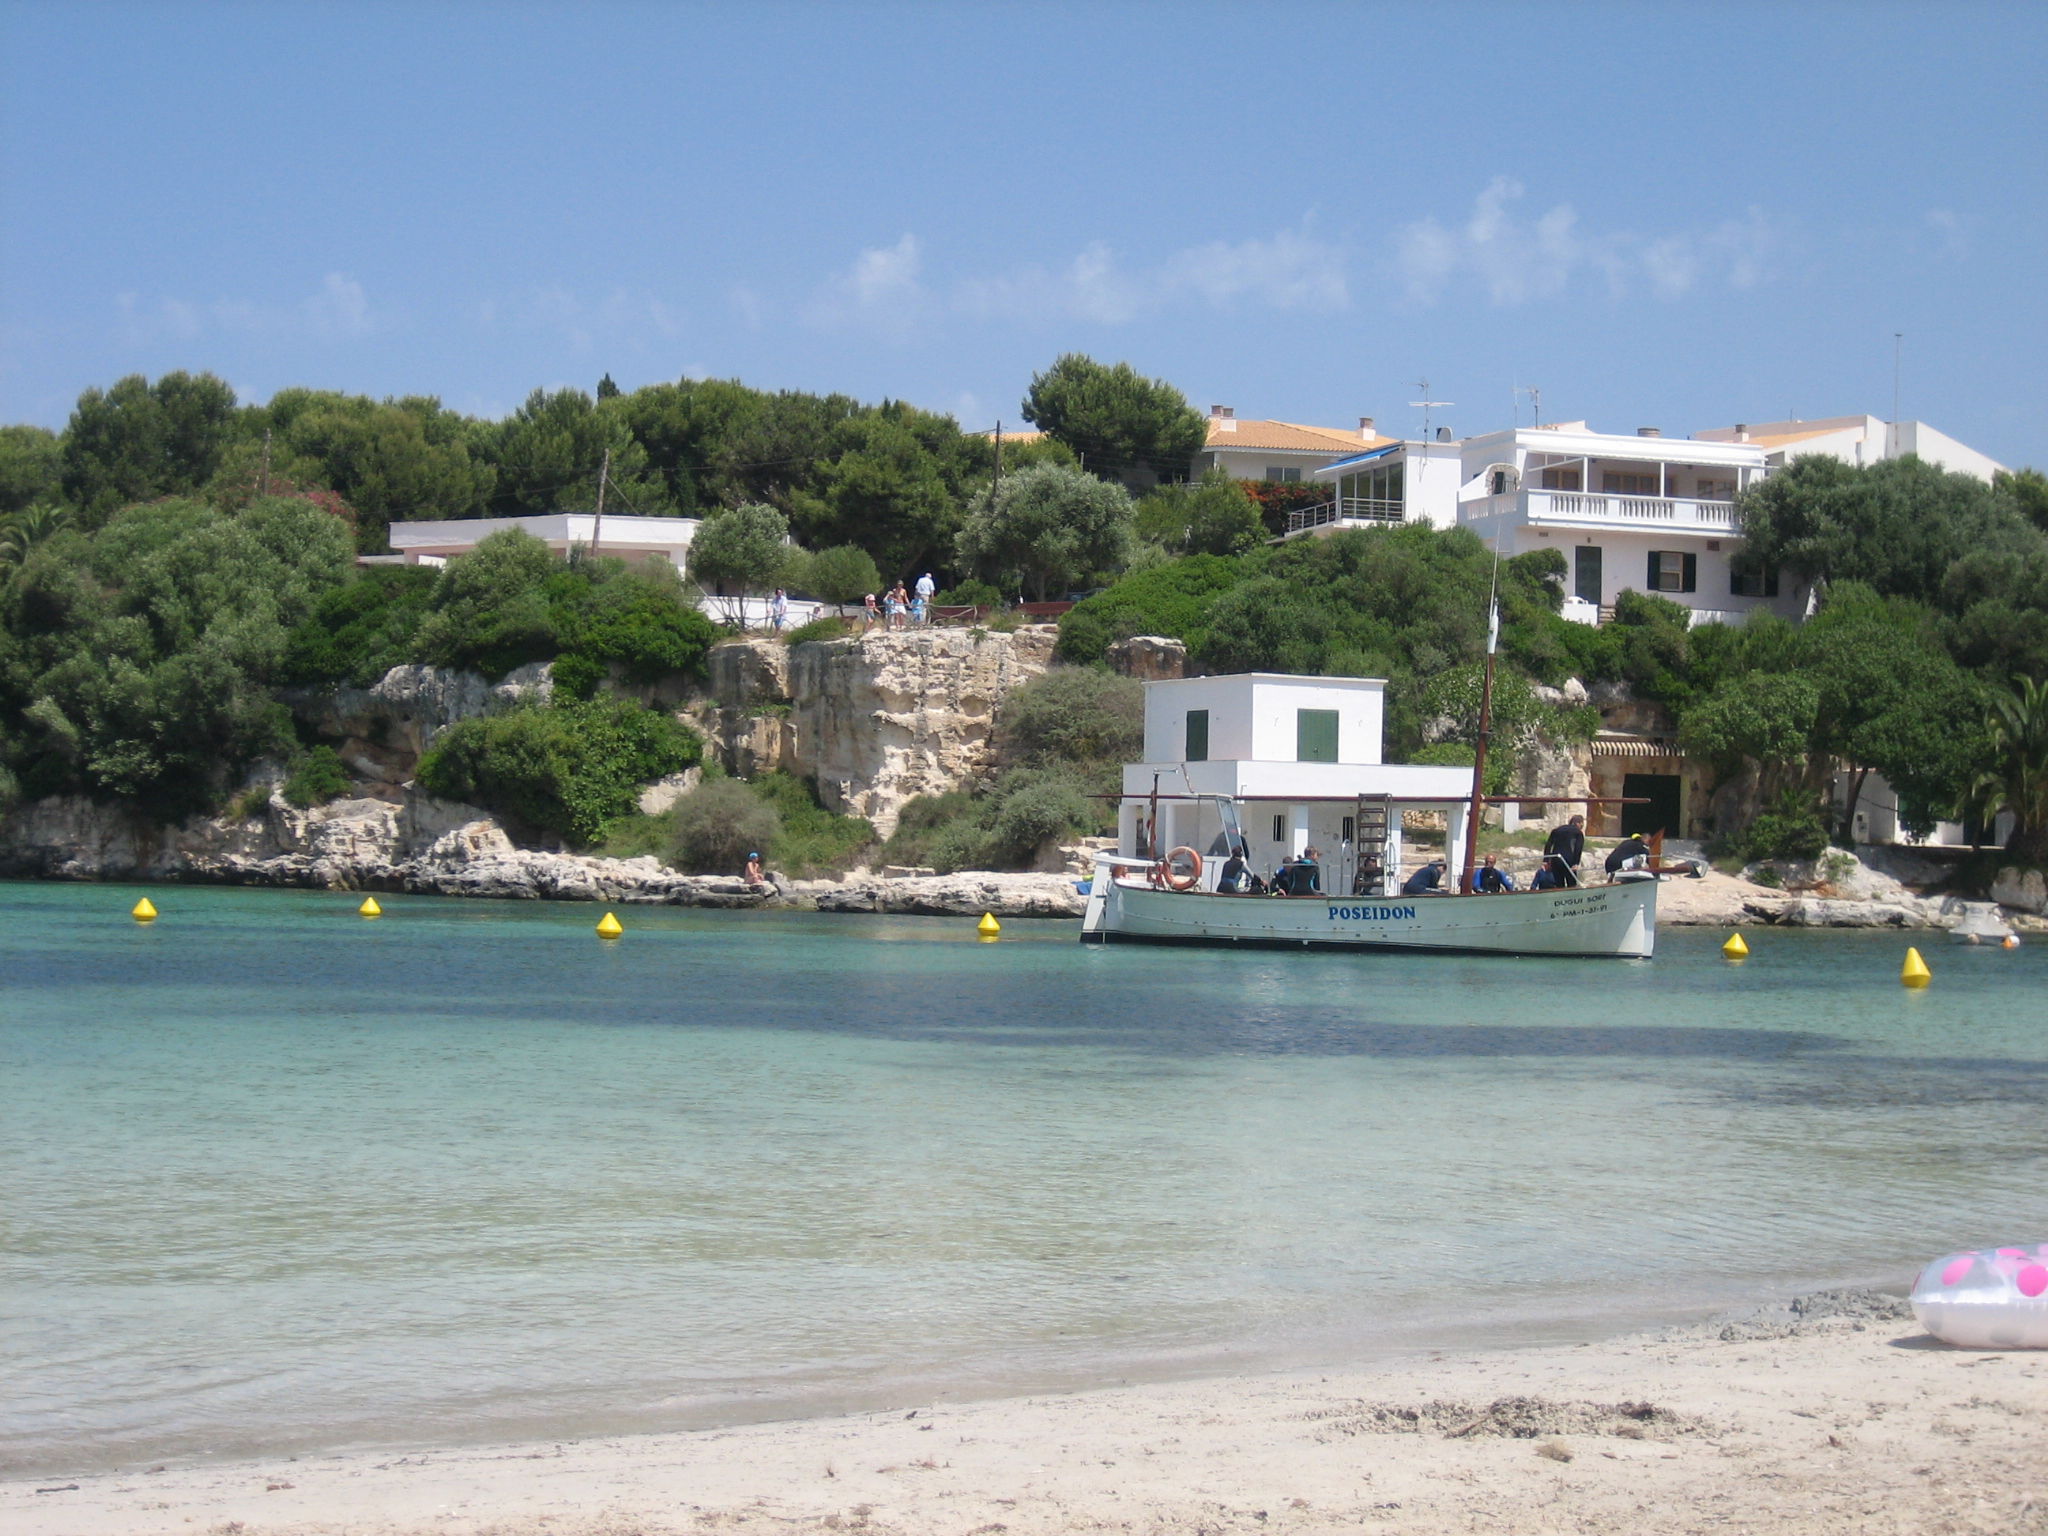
(1742, 431)
(1649, 431)
(1223, 412)
(1365, 428)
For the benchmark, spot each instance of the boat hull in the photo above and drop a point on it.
(1618, 921)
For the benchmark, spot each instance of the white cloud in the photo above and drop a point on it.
(338, 310)
(886, 287)
(1517, 260)
(621, 318)
(1943, 236)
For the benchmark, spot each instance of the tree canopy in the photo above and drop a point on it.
(1119, 423)
(1048, 526)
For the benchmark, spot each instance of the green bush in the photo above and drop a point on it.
(971, 593)
(317, 778)
(358, 632)
(811, 840)
(636, 615)
(716, 825)
(1791, 829)
(1172, 600)
(578, 676)
(1081, 715)
(490, 607)
(824, 627)
(1001, 828)
(570, 768)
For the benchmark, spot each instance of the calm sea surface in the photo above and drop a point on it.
(273, 1177)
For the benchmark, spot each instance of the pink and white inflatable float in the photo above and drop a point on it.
(1987, 1298)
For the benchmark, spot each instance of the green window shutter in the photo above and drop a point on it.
(1654, 573)
(1689, 581)
(1315, 735)
(1198, 736)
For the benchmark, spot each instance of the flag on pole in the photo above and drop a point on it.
(1493, 629)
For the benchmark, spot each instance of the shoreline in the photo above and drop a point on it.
(1829, 1413)
(1714, 901)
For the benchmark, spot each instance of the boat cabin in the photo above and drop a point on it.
(1297, 761)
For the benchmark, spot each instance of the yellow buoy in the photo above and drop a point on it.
(988, 927)
(369, 908)
(610, 927)
(144, 911)
(1735, 949)
(2011, 941)
(1914, 972)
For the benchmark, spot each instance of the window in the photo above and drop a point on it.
(1350, 832)
(1279, 826)
(1198, 736)
(1716, 490)
(1561, 479)
(1289, 475)
(1752, 583)
(1586, 573)
(1315, 735)
(1617, 483)
(1673, 571)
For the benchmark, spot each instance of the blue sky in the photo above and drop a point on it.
(1679, 215)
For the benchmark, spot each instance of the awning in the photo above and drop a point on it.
(1360, 458)
(1629, 744)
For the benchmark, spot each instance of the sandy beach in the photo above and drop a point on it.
(1845, 1419)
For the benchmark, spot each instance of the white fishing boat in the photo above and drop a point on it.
(1231, 759)
(1129, 902)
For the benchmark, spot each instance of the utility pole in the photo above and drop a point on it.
(1898, 350)
(263, 481)
(597, 524)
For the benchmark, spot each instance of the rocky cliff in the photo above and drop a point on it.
(879, 719)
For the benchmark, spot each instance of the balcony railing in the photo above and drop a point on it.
(1621, 511)
(1344, 509)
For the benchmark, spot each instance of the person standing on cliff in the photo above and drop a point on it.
(778, 610)
(926, 590)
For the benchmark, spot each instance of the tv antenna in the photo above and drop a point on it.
(1426, 405)
(1535, 394)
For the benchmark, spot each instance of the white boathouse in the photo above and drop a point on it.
(1302, 758)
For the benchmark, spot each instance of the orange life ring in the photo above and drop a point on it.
(1166, 877)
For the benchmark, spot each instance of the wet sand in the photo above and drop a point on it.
(1844, 1419)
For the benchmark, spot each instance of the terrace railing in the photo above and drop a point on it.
(1344, 509)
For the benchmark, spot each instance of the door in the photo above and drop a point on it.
(1661, 814)
(1586, 573)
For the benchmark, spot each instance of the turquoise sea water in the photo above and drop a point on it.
(274, 1178)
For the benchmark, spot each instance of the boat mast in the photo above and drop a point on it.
(1471, 859)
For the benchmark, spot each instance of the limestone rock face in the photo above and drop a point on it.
(2023, 889)
(879, 719)
(747, 672)
(1149, 658)
(384, 728)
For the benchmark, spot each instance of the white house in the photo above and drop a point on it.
(1856, 440)
(1300, 756)
(1248, 449)
(1647, 512)
(1396, 482)
(626, 537)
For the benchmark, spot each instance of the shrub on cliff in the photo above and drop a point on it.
(570, 768)
(1076, 715)
(358, 632)
(716, 825)
(810, 840)
(1172, 599)
(318, 778)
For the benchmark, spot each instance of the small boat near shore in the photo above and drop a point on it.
(1619, 920)
(1230, 760)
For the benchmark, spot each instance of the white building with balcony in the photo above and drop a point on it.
(1646, 512)
(1301, 759)
(1856, 440)
(1248, 449)
(1395, 482)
